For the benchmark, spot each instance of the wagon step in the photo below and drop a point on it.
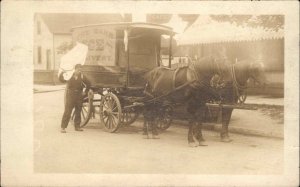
(236, 106)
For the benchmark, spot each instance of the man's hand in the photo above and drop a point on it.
(91, 94)
(83, 94)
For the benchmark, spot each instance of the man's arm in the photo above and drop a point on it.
(61, 78)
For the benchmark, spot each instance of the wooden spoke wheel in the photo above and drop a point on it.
(129, 116)
(86, 111)
(110, 112)
(166, 118)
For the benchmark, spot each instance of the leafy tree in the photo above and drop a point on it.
(273, 22)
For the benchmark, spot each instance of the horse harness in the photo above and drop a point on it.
(240, 90)
(196, 83)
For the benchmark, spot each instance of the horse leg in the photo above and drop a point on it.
(146, 124)
(191, 140)
(154, 123)
(154, 130)
(199, 135)
(226, 115)
(145, 129)
(191, 137)
(191, 110)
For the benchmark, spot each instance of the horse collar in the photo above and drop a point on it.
(235, 82)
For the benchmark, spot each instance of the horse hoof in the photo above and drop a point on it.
(202, 143)
(226, 139)
(193, 144)
(155, 137)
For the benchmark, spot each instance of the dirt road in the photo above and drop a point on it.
(97, 151)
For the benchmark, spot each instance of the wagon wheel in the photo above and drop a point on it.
(86, 110)
(129, 116)
(166, 118)
(110, 112)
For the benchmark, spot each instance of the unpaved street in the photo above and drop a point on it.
(97, 151)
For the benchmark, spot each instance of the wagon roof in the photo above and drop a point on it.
(123, 25)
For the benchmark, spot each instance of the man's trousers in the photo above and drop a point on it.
(73, 99)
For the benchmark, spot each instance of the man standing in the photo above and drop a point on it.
(73, 97)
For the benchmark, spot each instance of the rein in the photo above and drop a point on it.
(194, 71)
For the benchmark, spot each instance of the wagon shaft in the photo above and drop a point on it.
(235, 106)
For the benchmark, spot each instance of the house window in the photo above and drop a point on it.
(38, 27)
(39, 55)
(48, 53)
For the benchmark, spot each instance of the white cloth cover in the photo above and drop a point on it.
(76, 55)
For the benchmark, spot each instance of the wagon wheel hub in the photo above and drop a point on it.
(107, 112)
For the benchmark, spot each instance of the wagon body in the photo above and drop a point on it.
(120, 53)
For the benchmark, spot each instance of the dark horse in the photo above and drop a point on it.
(191, 86)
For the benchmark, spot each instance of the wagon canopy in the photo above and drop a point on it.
(120, 53)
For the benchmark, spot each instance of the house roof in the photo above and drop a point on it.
(205, 30)
(63, 22)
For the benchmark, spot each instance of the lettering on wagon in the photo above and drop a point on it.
(101, 44)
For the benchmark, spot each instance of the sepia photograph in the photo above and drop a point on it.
(134, 96)
(168, 82)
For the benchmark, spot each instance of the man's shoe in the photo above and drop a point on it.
(78, 129)
(63, 130)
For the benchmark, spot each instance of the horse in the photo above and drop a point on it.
(234, 80)
(191, 86)
(186, 85)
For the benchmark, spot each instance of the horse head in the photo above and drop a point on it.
(257, 73)
(244, 70)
